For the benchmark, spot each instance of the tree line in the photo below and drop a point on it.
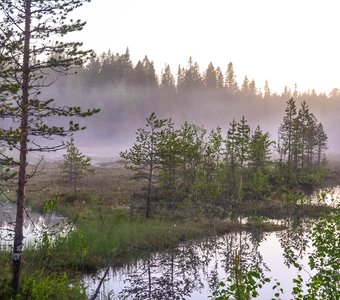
(189, 169)
(127, 92)
(114, 69)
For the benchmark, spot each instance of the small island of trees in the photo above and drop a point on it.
(188, 170)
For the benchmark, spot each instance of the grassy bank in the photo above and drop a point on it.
(96, 241)
(106, 227)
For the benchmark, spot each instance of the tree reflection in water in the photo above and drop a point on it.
(194, 269)
(172, 275)
(295, 240)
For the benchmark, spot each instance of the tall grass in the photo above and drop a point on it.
(96, 241)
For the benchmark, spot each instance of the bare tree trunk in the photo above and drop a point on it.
(75, 187)
(21, 191)
(150, 176)
(149, 277)
(149, 195)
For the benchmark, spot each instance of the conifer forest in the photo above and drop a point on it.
(119, 181)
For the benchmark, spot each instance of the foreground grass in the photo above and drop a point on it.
(117, 239)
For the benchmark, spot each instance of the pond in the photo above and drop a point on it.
(194, 269)
(35, 225)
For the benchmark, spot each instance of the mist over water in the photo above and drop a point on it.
(113, 129)
(127, 94)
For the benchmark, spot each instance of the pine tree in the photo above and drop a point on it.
(287, 134)
(32, 58)
(302, 143)
(259, 157)
(150, 73)
(124, 67)
(230, 80)
(7, 167)
(75, 165)
(232, 165)
(139, 76)
(303, 138)
(144, 156)
(267, 92)
(259, 149)
(219, 78)
(286, 92)
(167, 79)
(242, 141)
(192, 76)
(191, 138)
(321, 144)
(245, 88)
(252, 88)
(170, 150)
(210, 80)
(180, 79)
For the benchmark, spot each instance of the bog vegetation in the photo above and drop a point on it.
(182, 181)
(185, 169)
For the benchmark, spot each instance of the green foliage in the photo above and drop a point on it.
(242, 141)
(189, 171)
(144, 156)
(324, 261)
(75, 165)
(41, 286)
(32, 58)
(8, 171)
(41, 65)
(241, 284)
(49, 206)
(259, 149)
(297, 198)
(5, 283)
(302, 145)
(259, 185)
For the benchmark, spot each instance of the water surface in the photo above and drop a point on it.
(193, 270)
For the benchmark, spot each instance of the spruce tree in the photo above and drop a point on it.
(75, 165)
(267, 91)
(210, 79)
(167, 80)
(232, 165)
(287, 133)
(219, 78)
(230, 80)
(242, 141)
(321, 144)
(245, 88)
(258, 168)
(259, 149)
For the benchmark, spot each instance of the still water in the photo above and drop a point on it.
(194, 269)
(35, 225)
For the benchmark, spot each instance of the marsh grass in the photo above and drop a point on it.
(95, 242)
(106, 227)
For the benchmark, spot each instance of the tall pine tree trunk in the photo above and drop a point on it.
(21, 192)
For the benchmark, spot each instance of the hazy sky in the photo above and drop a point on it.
(282, 41)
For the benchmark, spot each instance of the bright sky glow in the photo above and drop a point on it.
(282, 41)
